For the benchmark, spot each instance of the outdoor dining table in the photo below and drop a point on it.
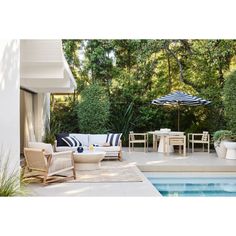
(162, 143)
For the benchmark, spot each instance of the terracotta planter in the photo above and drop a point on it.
(220, 149)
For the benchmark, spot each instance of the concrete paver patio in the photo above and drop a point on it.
(197, 161)
(145, 162)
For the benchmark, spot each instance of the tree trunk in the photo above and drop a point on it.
(181, 76)
(169, 73)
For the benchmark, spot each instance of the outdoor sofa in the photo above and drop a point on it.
(109, 143)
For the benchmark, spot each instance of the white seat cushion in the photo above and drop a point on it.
(83, 138)
(99, 139)
(108, 149)
(65, 148)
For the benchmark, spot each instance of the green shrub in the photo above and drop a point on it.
(63, 118)
(93, 110)
(230, 101)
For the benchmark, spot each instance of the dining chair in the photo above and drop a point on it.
(176, 140)
(133, 140)
(201, 138)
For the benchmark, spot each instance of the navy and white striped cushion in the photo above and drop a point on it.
(113, 139)
(78, 143)
(72, 141)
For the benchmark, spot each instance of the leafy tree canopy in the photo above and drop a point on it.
(137, 71)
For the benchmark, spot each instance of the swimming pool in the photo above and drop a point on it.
(195, 186)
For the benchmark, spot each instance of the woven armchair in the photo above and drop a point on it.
(47, 165)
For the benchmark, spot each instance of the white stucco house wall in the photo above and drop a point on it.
(29, 71)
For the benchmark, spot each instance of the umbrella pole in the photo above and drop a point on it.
(178, 117)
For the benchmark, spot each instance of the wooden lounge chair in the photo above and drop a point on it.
(49, 167)
(201, 138)
(133, 140)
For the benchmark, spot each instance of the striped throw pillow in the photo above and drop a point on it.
(72, 141)
(113, 139)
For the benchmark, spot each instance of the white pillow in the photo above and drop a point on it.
(99, 139)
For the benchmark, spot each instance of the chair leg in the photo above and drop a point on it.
(74, 172)
(129, 146)
(120, 156)
(153, 143)
(184, 150)
(203, 147)
(192, 147)
(208, 147)
(184, 147)
(45, 179)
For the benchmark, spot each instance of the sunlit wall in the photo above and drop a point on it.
(9, 102)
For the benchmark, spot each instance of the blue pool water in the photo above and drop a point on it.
(195, 186)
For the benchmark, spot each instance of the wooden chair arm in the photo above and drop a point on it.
(62, 154)
(55, 146)
(194, 134)
(144, 134)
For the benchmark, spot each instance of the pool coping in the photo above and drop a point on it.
(189, 174)
(185, 168)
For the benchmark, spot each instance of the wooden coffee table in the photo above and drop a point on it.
(88, 160)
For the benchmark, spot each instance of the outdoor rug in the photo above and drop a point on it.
(107, 175)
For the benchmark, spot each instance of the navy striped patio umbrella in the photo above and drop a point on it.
(180, 99)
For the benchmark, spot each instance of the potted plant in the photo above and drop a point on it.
(219, 137)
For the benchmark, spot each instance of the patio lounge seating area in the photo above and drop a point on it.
(108, 143)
